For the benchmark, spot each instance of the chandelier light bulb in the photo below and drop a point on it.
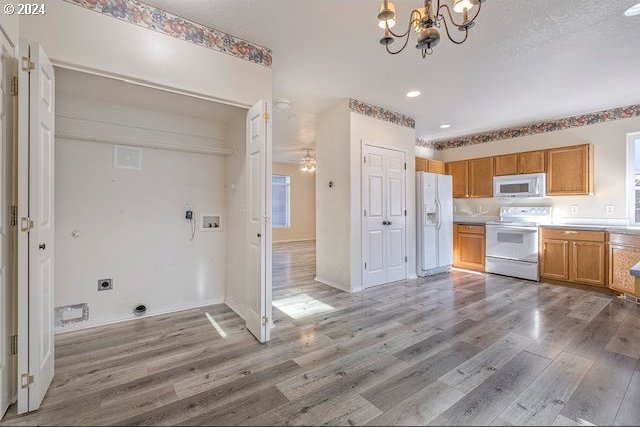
(460, 5)
(387, 15)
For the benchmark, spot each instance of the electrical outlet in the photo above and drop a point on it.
(479, 208)
(574, 210)
(609, 210)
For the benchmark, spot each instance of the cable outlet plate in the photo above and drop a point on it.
(105, 284)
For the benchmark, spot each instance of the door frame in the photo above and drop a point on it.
(368, 142)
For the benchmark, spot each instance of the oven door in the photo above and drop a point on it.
(512, 242)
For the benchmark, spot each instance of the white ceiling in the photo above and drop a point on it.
(524, 61)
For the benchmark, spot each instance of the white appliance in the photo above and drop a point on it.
(435, 223)
(519, 186)
(512, 242)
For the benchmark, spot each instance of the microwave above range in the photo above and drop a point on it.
(519, 186)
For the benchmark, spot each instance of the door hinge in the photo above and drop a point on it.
(26, 224)
(405, 165)
(405, 212)
(406, 259)
(27, 64)
(26, 380)
(14, 345)
(266, 116)
(265, 320)
(365, 159)
(14, 86)
(365, 212)
(14, 215)
(365, 265)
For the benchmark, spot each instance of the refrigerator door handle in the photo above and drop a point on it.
(438, 210)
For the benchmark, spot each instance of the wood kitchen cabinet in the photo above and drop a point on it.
(519, 163)
(472, 178)
(481, 177)
(570, 171)
(574, 256)
(428, 165)
(459, 172)
(624, 253)
(506, 164)
(469, 247)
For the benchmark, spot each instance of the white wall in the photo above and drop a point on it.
(609, 140)
(379, 132)
(79, 38)
(333, 205)
(302, 204)
(131, 222)
(340, 134)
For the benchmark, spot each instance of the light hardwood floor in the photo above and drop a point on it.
(455, 349)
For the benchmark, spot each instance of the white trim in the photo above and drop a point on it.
(144, 143)
(631, 199)
(295, 240)
(333, 284)
(90, 325)
(233, 305)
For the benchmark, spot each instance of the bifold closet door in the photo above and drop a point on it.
(384, 215)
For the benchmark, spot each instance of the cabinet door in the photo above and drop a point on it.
(554, 259)
(531, 162)
(588, 263)
(481, 177)
(459, 172)
(436, 166)
(621, 259)
(506, 165)
(421, 165)
(569, 171)
(470, 251)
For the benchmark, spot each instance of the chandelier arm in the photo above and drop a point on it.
(406, 42)
(466, 33)
(411, 21)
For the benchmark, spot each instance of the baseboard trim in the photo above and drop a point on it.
(95, 324)
(331, 283)
(294, 240)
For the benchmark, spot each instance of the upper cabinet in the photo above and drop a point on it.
(481, 177)
(428, 165)
(519, 163)
(459, 176)
(570, 171)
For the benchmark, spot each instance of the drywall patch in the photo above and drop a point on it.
(71, 314)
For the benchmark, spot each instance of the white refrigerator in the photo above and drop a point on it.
(435, 223)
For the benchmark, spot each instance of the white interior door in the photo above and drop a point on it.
(258, 311)
(384, 220)
(36, 281)
(7, 71)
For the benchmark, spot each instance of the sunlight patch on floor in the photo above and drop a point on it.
(217, 327)
(301, 306)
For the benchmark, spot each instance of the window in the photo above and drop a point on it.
(281, 190)
(633, 183)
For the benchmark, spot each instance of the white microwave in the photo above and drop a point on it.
(519, 186)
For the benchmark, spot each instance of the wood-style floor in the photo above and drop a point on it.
(455, 349)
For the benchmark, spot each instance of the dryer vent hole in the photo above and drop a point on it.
(139, 310)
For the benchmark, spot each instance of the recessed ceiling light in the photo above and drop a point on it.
(413, 94)
(445, 126)
(282, 105)
(633, 10)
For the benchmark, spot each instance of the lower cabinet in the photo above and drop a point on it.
(573, 256)
(624, 253)
(469, 247)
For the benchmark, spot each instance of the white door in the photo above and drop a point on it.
(258, 311)
(384, 220)
(7, 71)
(36, 119)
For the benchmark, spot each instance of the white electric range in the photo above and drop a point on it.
(512, 242)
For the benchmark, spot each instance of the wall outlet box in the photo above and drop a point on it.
(609, 210)
(574, 210)
(478, 208)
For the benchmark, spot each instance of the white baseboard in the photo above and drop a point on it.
(413, 276)
(233, 305)
(294, 240)
(95, 324)
(332, 284)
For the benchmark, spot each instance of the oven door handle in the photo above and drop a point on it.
(516, 228)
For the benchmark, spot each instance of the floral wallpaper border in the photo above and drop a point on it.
(149, 17)
(380, 113)
(536, 128)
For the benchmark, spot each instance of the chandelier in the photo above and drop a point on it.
(426, 22)
(308, 163)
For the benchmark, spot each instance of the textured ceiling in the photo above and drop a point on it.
(524, 61)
